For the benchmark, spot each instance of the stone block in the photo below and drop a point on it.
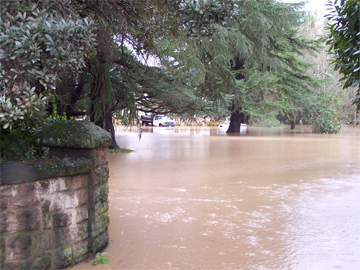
(23, 219)
(47, 220)
(99, 193)
(98, 243)
(83, 196)
(59, 184)
(80, 214)
(56, 202)
(18, 246)
(3, 220)
(100, 175)
(2, 249)
(33, 188)
(62, 258)
(80, 251)
(71, 199)
(73, 134)
(99, 225)
(62, 219)
(101, 156)
(75, 198)
(3, 203)
(42, 240)
(74, 166)
(71, 234)
(41, 263)
(99, 209)
(21, 264)
(8, 191)
(79, 181)
(25, 202)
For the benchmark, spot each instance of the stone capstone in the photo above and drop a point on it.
(73, 134)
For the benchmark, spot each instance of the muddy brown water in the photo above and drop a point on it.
(269, 198)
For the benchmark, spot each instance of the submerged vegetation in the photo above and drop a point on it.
(120, 151)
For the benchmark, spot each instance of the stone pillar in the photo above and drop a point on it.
(54, 213)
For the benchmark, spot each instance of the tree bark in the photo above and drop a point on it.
(292, 124)
(109, 126)
(235, 122)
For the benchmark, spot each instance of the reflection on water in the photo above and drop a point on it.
(263, 199)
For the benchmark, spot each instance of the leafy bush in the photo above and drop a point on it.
(327, 121)
(37, 42)
(18, 144)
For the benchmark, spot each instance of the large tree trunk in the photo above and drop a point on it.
(109, 126)
(292, 124)
(235, 122)
(106, 123)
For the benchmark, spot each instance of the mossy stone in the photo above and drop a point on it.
(72, 134)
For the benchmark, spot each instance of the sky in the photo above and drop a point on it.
(313, 5)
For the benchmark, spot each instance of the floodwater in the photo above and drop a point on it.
(268, 198)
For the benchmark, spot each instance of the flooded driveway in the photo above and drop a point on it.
(196, 198)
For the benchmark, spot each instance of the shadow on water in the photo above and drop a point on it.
(197, 198)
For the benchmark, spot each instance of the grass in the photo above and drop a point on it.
(120, 151)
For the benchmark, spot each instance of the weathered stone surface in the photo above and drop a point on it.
(73, 134)
(100, 175)
(101, 156)
(99, 209)
(100, 224)
(21, 264)
(23, 220)
(68, 235)
(75, 198)
(33, 189)
(70, 217)
(80, 251)
(17, 173)
(79, 181)
(19, 246)
(2, 249)
(54, 213)
(62, 258)
(41, 263)
(99, 193)
(59, 184)
(73, 166)
(99, 243)
(25, 202)
(42, 240)
(56, 202)
(3, 220)
(3, 203)
(8, 191)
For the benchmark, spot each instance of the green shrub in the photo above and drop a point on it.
(327, 121)
(18, 144)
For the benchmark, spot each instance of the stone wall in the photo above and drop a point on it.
(54, 213)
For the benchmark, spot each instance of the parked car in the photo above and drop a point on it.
(163, 121)
(226, 125)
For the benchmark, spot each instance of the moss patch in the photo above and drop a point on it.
(120, 151)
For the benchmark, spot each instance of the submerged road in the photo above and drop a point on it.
(196, 198)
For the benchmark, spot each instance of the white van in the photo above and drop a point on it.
(163, 121)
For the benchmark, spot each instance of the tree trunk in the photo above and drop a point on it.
(292, 124)
(109, 126)
(235, 122)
